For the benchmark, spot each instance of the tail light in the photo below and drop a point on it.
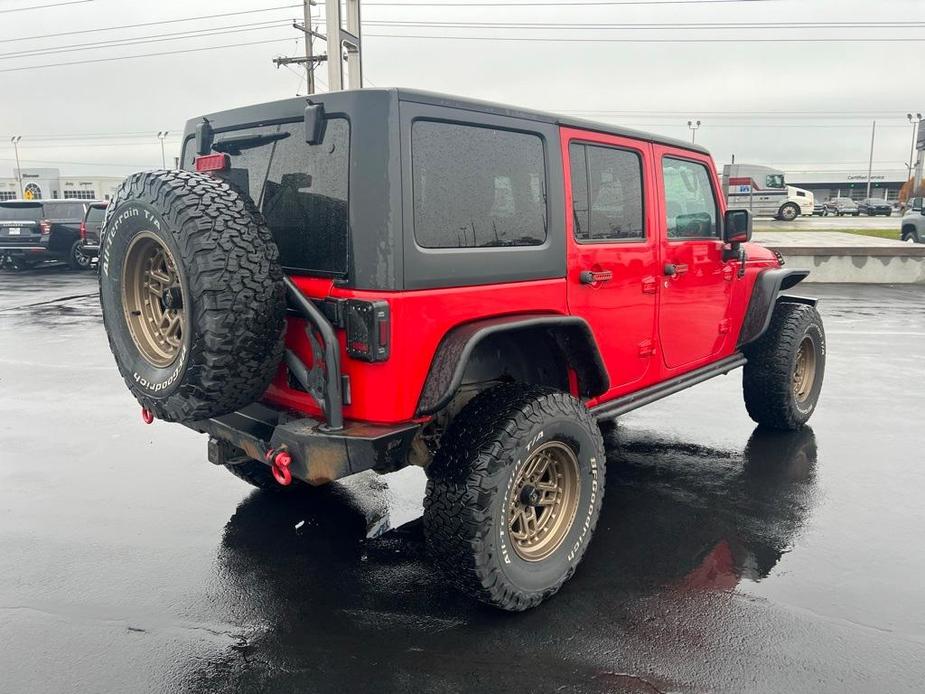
(45, 226)
(83, 231)
(367, 324)
(212, 162)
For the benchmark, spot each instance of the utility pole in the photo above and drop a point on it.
(870, 163)
(310, 59)
(160, 136)
(693, 125)
(15, 140)
(914, 122)
(919, 157)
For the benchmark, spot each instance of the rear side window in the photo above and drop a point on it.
(606, 193)
(301, 189)
(96, 214)
(477, 186)
(18, 212)
(690, 207)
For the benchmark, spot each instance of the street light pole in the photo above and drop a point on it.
(693, 125)
(914, 122)
(870, 163)
(160, 136)
(15, 140)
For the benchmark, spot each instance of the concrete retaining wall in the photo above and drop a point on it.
(835, 265)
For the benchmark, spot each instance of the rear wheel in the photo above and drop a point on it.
(783, 376)
(76, 260)
(910, 235)
(514, 494)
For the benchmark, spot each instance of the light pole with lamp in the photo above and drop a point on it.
(15, 140)
(693, 125)
(914, 122)
(160, 136)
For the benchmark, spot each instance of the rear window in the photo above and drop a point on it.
(20, 211)
(96, 214)
(301, 189)
(477, 186)
(64, 210)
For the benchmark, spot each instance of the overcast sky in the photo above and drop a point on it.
(830, 92)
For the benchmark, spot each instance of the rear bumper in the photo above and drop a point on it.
(28, 249)
(318, 454)
(91, 250)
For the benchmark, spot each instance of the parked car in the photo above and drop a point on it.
(913, 226)
(32, 231)
(875, 206)
(272, 290)
(90, 229)
(841, 206)
(818, 208)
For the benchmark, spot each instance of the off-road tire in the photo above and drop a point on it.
(909, 235)
(259, 475)
(788, 212)
(768, 377)
(469, 491)
(232, 293)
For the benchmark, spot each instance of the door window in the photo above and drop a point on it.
(606, 193)
(690, 205)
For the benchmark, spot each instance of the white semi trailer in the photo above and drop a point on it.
(762, 190)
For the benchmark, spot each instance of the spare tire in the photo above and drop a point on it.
(192, 294)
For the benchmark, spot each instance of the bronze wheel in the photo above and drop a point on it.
(543, 502)
(804, 372)
(152, 299)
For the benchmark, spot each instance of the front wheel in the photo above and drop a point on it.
(788, 212)
(783, 376)
(514, 494)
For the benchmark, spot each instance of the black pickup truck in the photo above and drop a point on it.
(32, 231)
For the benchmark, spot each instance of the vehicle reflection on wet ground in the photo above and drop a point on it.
(727, 558)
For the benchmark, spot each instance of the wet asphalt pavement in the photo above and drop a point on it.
(726, 559)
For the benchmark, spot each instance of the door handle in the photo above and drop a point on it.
(672, 269)
(595, 276)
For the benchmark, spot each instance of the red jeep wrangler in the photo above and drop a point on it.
(380, 278)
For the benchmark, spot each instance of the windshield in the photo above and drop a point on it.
(20, 211)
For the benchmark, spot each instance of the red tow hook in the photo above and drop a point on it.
(147, 416)
(279, 464)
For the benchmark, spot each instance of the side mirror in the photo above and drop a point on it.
(737, 226)
(314, 123)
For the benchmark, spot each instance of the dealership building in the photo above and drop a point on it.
(44, 184)
(849, 183)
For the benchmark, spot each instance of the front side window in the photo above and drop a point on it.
(774, 181)
(477, 187)
(690, 206)
(606, 193)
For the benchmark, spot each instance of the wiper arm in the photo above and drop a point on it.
(235, 143)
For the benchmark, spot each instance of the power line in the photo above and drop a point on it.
(45, 7)
(144, 55)
(626, 40)
(559, 4)
(156, 38)
(698, 26)
(148, 24)
(78, 163)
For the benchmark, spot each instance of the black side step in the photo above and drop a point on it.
(614, 408)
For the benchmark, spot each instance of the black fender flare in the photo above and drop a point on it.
(765, 294)
(572, 334)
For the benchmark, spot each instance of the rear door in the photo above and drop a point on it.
(612, 248)
(696, 284)
(19, 223)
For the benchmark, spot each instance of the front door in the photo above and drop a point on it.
(613, 248)
(696, 284)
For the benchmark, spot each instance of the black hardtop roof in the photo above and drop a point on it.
(276, 110)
